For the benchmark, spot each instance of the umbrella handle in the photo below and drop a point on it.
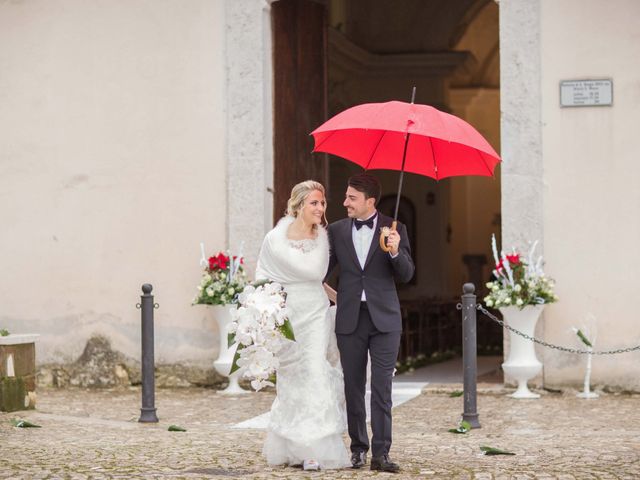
(385, 234)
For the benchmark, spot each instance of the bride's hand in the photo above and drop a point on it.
(331, 293)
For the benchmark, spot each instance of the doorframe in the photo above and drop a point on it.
(521, 123)
(249, 125)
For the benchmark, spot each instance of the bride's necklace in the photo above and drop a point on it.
(305, 245)
(302, 242)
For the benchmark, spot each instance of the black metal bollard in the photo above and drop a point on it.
(148, 410)
(469, 355)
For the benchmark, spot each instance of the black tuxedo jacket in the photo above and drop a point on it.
(377, 278)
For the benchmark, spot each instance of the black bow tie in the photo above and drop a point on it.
(369, 222)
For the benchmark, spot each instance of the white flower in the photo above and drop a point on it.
(259, 364)
(256, 323)
(519, 302)
(272, 340)
(246, 293)
(245, 331)
(232, 327)
(495, 288)
(489, 302)
(258, 385)
(507, 300)
(231, 291)
(518, 288)
(209, 292)
(282, 315)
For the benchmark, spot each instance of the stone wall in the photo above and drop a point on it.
(100, 366)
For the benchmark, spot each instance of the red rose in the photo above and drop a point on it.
(220, 261)
(512, 259)
(223, 260)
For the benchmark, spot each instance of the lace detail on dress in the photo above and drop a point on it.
(305, 245)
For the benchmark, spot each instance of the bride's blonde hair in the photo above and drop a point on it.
(299, 194)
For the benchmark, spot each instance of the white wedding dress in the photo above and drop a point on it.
(308, 415)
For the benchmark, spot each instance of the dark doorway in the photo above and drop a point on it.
(330, 55)
(300, 94)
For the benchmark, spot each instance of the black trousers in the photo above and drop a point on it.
(383, 349)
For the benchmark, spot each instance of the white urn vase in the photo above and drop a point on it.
(522, 364)
(222, 315)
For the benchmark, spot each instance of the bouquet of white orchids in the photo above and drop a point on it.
(260, 327)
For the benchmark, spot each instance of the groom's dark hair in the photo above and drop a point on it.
(367, 184)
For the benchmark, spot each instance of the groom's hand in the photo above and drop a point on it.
(393, 242)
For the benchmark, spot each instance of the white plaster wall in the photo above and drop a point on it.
(592, 185)
(112, 170)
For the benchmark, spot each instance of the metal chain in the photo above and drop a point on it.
(550, 345)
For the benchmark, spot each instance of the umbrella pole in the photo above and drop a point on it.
(394, 224)
(404, 157)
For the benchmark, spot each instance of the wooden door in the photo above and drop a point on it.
(300, 94)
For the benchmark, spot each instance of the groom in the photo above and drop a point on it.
(368, 319)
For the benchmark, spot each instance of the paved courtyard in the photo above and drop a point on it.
(95, 434)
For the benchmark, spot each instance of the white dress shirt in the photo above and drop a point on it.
(362, 242)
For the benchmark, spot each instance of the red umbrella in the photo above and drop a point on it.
(406, 137)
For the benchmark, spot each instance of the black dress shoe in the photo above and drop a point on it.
(384, 464)
(358, 459)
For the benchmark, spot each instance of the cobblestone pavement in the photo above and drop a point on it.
(95, 434)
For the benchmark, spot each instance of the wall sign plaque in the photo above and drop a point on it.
(586, 93)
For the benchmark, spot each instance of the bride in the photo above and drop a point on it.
(308, 415)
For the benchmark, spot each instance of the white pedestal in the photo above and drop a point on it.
(586, 392)
(522, 364)
(587, 395)
(222, 316)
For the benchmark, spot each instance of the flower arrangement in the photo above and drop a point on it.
(260, 327)
(222, 280)
(518, 282)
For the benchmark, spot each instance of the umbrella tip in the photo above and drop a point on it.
(413, 94)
